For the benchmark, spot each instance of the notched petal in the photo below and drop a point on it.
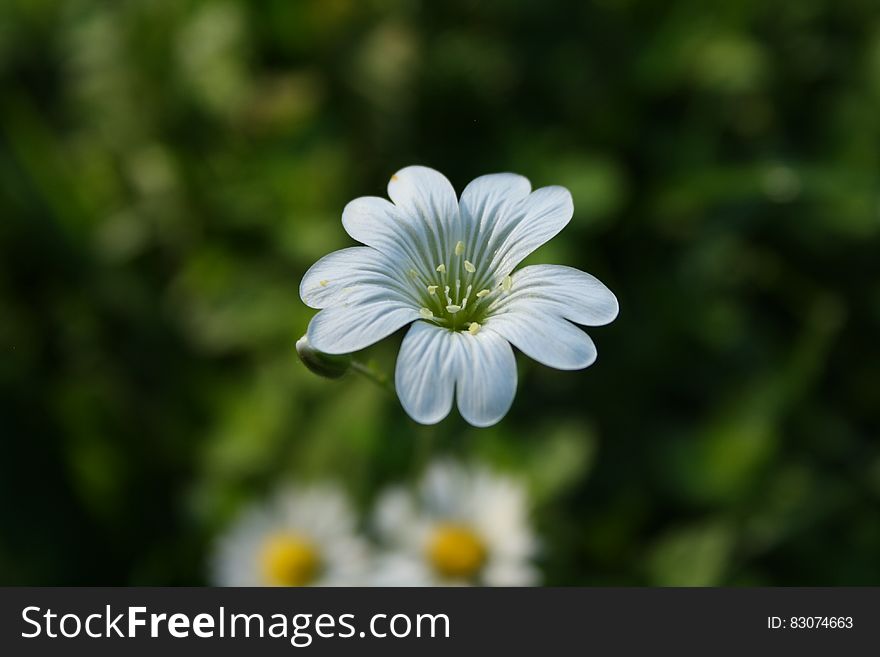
(486, 381)
(425, 373)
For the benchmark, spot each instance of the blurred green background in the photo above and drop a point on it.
(169, 169)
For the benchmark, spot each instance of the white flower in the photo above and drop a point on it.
(303, 537)
(447, 266)
(463, 526)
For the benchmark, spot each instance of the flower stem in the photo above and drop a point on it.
(378, 378)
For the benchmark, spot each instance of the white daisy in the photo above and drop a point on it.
(303, 537)
(463, 526)
(447, 266)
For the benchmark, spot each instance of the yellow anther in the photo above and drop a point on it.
(426, 313)
(413, 273)
(507, 283)
(474, 328)
(482, 293)
(323, 283)
(452, 308)
(432, 289)
(469, 266)
(459, 248)
(441, 268)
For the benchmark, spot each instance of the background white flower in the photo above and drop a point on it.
(462, 526)
(447, 265)
(304, 537)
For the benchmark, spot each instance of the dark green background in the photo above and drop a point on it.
(169, 169)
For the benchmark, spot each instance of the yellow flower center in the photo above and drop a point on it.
(289, 560)
(456, 551)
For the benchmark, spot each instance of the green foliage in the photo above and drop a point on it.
(168, 171)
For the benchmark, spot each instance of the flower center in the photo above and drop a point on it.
(457, 293)
(289, 560)
(456, 551)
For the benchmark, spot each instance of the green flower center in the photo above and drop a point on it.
(457, 294)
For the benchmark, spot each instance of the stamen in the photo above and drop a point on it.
(323, 283)
(432, 289)
(457, 288)
(459, 249)
(469, 266)
(426, 313)
(507, 283)
(441, 268)
(413, 273)
(482, 293)
(446, 290)
(467, 294)
(474, 328)
(452, 308)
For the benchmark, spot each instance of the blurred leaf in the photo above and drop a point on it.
(696, 555)
(561, 459)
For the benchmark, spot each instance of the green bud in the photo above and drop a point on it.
(331, 366)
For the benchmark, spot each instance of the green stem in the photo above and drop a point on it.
(378, 378)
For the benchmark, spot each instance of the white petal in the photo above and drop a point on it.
(547, 338)
(347, 562)
(433, 361)
(401, 236)
(320, 510)
(402, 568)
(235, 561)
(396, 519)
(444, 490)
(511, 573)
(425, 372)
(499, 509)
(347, 328)
(349, 273)
(423, 192)
(486, 382)
(535, 221)
(486, 208)
(564, 291)
(426, 197)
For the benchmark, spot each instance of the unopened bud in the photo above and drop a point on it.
(331, 366)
